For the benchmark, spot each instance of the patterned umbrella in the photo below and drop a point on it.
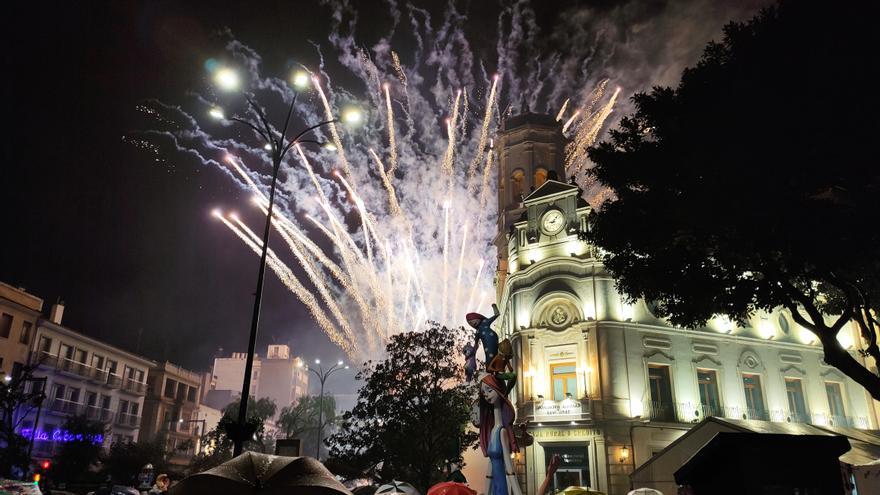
(451, 488)
(397, 487)
(580, 490)
(261, 474)
(18, 487)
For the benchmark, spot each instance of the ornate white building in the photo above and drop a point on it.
(605, 384)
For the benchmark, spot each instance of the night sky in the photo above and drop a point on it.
(125, 240)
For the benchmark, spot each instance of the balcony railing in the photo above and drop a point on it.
(129, 420)
(691, 413)
(96, 375)
(64, 406)
(134, 386)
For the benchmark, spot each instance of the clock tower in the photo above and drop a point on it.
(531, 150)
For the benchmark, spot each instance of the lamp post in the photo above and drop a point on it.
(322, 377)
(277, 144)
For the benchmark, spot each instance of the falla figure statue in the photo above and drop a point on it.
(497, 439)
(484, 333)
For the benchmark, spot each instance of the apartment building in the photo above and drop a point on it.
(171, 410)
(83, 376)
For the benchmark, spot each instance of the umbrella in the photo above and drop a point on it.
(397, 487)
(451, 488)
(16, 487)
(252, 473)
(580, 490)
(645, 491)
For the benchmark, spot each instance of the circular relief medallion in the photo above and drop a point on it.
(559, 316)
(751, 362)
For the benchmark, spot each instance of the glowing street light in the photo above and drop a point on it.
(352, 116)
(227, 79)
(278, 143)
(300, 80)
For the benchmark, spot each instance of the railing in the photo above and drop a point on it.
(130, 420)
(692, 413)
(134, 386)
(114, 381)
(103, 377)
(64, 406)
(98, 413)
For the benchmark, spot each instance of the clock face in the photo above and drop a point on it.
(552, 222)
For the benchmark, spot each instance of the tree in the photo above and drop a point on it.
(749, 186)
(124, 460)
(80, 451)
(300, 420)
(218, 442)
(413, 411)
(16, 402)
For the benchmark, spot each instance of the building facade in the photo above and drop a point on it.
(171, 410)
(19, 312)
(83, 376)
(606, 384)
(279, 376)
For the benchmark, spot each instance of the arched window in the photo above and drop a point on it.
(517, 185)
(540, 177)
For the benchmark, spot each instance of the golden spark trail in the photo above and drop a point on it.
(457, 299)
(476, 281)
(286, 229)
(328, 113)
(562, 110)
(570, 121)
(393, 205)
(392, 144)
(316, 280)
(367, 222)
(289, 280)
(445, 261)
(451, 125)
(231, 161)
(484, 131)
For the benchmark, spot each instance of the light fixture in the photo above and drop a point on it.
(624, 454)
(267, 147)
(300, 80)
(317, 361)
(573, 423)
(540, 424)
(217, 113)
(339, 363)
(227, 79)
(352, 116)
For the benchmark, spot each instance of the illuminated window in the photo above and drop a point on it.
(564, 379)
(754, 397)
(517, 185)
(708, 383)
(835, 400)
(540, 177)
(797, 406)
(661, 405)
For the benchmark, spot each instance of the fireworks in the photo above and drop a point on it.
(393, 225)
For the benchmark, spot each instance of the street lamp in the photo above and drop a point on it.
(278, 145)
(322, 375)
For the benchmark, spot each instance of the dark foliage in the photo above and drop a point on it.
(754, 184)
(413, 411)
(77, 459)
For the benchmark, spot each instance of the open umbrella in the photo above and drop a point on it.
(252, 473)
(451, 488)
(580, 490)
(397, 487)
(645, 491)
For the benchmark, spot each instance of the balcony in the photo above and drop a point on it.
(62, 406)
(128, 420)
(692, 413)
(134, 387)
(114, 381)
